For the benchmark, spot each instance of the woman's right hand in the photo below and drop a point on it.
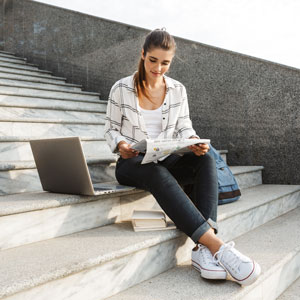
(126, 151)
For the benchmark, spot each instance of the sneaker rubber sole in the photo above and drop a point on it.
(251, 278)
(209, 274)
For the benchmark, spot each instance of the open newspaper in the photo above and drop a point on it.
(156, 149)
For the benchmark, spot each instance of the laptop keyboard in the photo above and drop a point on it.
(105, 190)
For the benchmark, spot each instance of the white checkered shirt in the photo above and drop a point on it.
(124, 121)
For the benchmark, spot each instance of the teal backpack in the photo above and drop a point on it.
(229, 190)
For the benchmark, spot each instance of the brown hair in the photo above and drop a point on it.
(158, 38)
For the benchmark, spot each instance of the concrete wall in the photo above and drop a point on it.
(246, 105)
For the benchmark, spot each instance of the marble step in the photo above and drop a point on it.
(26, 67)
(30, 82)
(277, 252)
(23, 90)
(27, 179)
(247, 176)
(16, 61)
(23, 114)
(19, 70)
(14, 149)
(100, 262)
(292, 293)
(33, 78)
(30, 74)
(7, 53)
(18, 148)
(3, 55)
(84, 265)
(50, 128)
(33, 217)
(64, 104)
(22, 176)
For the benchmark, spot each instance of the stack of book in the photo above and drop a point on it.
(147, 220)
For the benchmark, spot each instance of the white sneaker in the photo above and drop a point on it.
(206, 264)
(241, 268)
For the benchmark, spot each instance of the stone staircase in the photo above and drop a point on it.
(56, 246)
(292, 293)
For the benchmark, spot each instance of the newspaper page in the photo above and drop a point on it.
(156, 149)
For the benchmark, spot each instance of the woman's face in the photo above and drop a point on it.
(157, 62)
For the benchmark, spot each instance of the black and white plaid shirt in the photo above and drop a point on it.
(124, 121)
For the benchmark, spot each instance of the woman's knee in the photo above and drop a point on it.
(157, 177)
(160, 180)
(207, 164)
(205, 160)
(161, 174)
(126, 170)
(141, 175)
(209, 159)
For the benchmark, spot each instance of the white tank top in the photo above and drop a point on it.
(153, 121)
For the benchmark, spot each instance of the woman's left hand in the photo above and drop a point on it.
(199, 149)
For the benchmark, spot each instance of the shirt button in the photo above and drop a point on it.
(165, 103)
(164, 118)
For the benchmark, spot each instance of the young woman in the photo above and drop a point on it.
(148, 104)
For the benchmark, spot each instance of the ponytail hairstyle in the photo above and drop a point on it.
(158, 38)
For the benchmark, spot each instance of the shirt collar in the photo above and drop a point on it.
(168, 80)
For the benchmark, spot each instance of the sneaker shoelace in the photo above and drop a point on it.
(207, 255)
(233, 259)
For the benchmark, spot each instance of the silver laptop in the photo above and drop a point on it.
(62, 168)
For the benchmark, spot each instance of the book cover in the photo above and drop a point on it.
(146, 220)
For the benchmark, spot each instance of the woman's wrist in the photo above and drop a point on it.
(120, 143)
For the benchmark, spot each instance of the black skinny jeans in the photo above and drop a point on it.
(194, 213)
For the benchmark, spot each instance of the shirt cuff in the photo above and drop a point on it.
(117, 140)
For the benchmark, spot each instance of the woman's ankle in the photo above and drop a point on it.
(211, 241)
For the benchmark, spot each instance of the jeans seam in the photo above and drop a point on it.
(213, 225)
(200, 231)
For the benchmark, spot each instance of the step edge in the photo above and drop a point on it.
(91, 160)
(249, 169)
(66, 270)
(39, 76)
(7, 52)
(25, 69)
(241, 292)
(51, 90)
(292, 290)
(267, 273)
(42, 82)
(60, 108)
(3, 55)
(68, 200)
(11, 56)
(51, 121)
(77, 199)
(293, 189)
(56, 98)
(21, 165)
(16, 62)
(29, 164)
(28, 138)
(96, 261)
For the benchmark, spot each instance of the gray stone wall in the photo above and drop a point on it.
(1, 25)
(246, 105)
(86, 50)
